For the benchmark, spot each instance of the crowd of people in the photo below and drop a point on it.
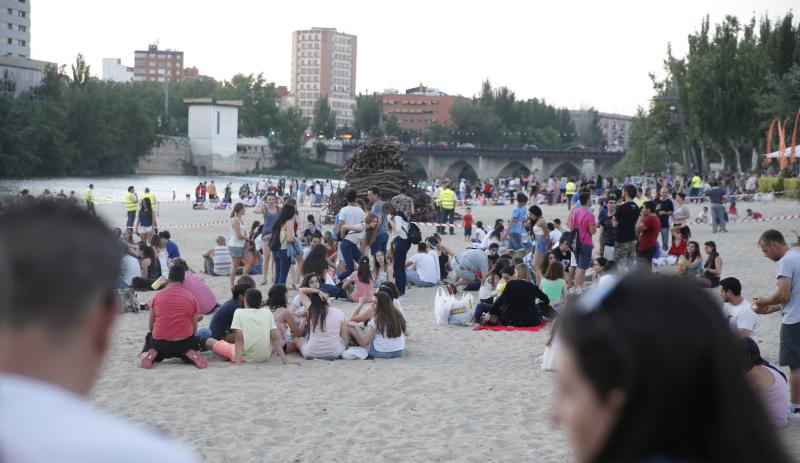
(590, 272)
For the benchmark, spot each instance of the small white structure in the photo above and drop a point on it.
(115, 71)
(213, 126)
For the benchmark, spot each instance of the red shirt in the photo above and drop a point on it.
(649, 236)
(678, 250)
(174, 308)
(467, 220)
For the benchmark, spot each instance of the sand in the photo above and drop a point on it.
(457, 395)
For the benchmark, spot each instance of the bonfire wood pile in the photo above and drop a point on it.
(379, 163)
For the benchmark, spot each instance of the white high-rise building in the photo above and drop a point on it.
(324, 64)
(15, 28)
(115, 71)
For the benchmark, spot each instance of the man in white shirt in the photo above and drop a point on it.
(736, 309)
(423, 269)
(350, 215)
(52, 343)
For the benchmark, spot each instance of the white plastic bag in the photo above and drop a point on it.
(461, 310)
(442, 305)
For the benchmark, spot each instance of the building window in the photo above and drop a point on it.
(10, 41)
(22, 43)
(21, 14)
(10, 11)
(218, 118)
(23, 29)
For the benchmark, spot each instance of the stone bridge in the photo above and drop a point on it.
(472, 163)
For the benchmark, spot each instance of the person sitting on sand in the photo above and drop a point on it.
(692, 260)
(220, 325)
(702, 217)
(318, 264)
(151, 268)
(217, 261)
(196, 285)
(362, 280)
(769, 382)
(328, 335)
(751, 214)
(255, 334)
(554, 285)
(278, 303)
(423, 268)
(385, 336)
(174, 314)
(516, 305)
(680, 238)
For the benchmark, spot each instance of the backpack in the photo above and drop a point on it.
(414, 234)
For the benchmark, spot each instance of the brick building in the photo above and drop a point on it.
(157, 65)
(419, 107)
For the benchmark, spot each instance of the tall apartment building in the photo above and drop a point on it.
(324, 64)
(157, 65)
(15, 28)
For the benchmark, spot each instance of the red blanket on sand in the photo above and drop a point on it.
(507, 328)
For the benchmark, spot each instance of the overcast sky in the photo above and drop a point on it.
(572, 53)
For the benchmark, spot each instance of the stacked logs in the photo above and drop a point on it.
(379, 163)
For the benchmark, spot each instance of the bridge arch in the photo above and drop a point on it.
(566, 169)
(514, 169)
(418, 171)
(459, 170)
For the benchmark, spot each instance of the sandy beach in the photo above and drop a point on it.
(457, 395)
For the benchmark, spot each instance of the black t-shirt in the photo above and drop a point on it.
(563, 256)
(664, 205)
(627, 214)
(517, 305)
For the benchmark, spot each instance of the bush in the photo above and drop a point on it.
(791, 186)
(770, 184)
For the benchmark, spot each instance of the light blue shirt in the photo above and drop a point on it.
(789, 267)
(518, 217)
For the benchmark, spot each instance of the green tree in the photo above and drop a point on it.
(369, 115)
(324, 119)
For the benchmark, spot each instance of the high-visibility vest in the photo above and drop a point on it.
(131, 203)
(152, 198)
(89, 195)
(447, 198)
(570, 188)
(697, 182)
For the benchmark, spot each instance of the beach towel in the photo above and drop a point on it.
(507, 328)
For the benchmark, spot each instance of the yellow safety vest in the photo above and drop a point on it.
(697, 182)
(89, 195)
(131, 204)
(570, 187)
(152, 198)
(447, 198)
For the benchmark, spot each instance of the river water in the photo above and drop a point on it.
(108, 189)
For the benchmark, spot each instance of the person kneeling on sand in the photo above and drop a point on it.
(328, 334)
(516, 306)
(255, 334)
(174, 314)
(385, 336)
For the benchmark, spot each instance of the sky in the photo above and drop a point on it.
(576, 54)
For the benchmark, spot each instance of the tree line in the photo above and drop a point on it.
(716, 103)
(73, 124)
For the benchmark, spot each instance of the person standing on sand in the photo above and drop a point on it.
(786, 300)
(88, 197)
(54, 341)
(131, 204)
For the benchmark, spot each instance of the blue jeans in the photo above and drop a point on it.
(401, 248)
(332, 290)
(380, 243)
(350, 254)
(717, 217)
(473, 286)
(481, 309)
(665, 238)
(414, 279)
(282, 264)
(203, 334)
(384, 355)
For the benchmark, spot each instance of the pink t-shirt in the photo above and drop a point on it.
(361, 289)
(174, 308)
(324, 343)
(195, 284)
(583, 218)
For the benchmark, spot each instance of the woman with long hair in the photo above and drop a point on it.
(271, 211)
(316, 263)
(385, 336)
(541, 239)
(399, 224)
(370, 228)
(362, 280)
(769, 382)
(327, 329)
(381, 270)
(278, 303)
(284, 227)
(712, 269)
(145, 224)
(236, 241)
(630, 390)
(495, 237)
(692, 260)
